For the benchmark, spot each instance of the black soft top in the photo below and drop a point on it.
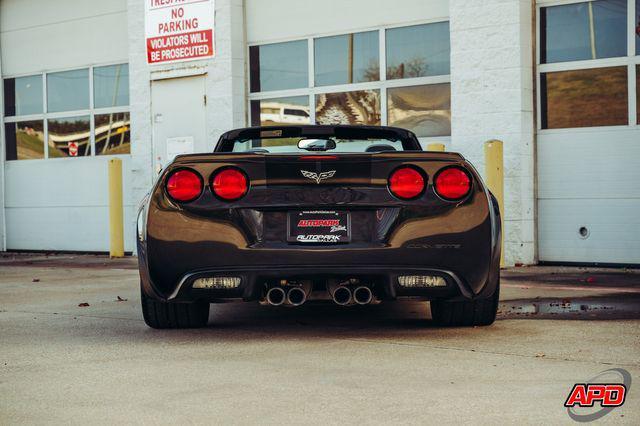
(408, 139)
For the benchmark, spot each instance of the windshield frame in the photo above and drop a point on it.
(407, 138)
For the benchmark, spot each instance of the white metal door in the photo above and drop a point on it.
(178, 117)
(589, 195)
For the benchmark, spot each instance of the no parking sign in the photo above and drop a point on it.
(179, 30)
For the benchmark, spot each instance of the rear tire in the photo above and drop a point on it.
(466, 313)
(161, 315)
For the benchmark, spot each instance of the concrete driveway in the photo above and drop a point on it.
(65, 363)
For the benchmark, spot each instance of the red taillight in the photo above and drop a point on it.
(452, 183)
(184, 185)
(406, 182)
(230, 184)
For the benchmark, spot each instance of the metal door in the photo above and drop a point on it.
(178, 118)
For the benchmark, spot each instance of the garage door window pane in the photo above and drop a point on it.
(358, 107)
(68, 90)
(69, 137)
(584, 98)
(111, 86)
(425, 110)
(23, 95)
(638, 93)
(580, 31)
(349, 58)
(112, 133)
(418, 51)
(279, 66)
(281, 111)
(24, 140)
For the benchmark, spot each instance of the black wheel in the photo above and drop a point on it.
(174, 315)
(466, 313)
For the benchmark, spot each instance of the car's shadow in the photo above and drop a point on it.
(408, 320)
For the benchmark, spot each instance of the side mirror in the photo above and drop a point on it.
(317, 144)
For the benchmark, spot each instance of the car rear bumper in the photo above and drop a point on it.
(252, 282)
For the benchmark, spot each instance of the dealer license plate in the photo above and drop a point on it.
(319, 227)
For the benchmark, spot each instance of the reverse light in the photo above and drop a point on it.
(219, 283)
(421, 281)
(184, 185)
(230, 184)
(452, 183)
(406, 183)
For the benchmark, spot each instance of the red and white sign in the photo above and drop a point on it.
(179, 30)
(73, 149)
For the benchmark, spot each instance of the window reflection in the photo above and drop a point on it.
(280, 111)
(23, 95)
(584, 98)
(357, 107)
(348, 58)
(279, 66)
(111, 86)
(418, 51)
(582, 31)
(69, 137)
(68, 90)
(112, 133)
(24, 140)
(425, 110)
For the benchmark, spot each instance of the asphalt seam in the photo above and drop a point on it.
(491, 352)
(69, 315)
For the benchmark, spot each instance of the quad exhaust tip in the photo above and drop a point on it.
(276, 296)
(362, 295)
(342, 295)
(296, 296)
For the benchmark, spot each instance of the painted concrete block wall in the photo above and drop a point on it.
(492, 98)
(225, 85)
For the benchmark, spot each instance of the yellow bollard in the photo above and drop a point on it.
(494, 172)
(116, 231)
(435, 147)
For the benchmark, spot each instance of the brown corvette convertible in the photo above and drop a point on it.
(288, 215)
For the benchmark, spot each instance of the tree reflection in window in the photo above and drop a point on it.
(357, 107)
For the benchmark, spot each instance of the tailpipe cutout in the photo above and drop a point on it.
(342, 296)
(276, 296)
(362, 295)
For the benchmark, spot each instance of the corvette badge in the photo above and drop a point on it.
(318, 177)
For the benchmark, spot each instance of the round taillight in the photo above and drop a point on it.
(452, 183)
(230, 184)
(184, 185)
(406, 183)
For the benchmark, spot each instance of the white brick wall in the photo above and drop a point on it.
(3, 225)
(492, 98)
(225, 85)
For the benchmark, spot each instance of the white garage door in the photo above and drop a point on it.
(589, 196)
(588, 142)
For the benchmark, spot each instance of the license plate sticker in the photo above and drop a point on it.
(319, 227)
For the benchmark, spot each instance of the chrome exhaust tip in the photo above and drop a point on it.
(362, 295)
(296, 296)
(276, 296)
(342, 295)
